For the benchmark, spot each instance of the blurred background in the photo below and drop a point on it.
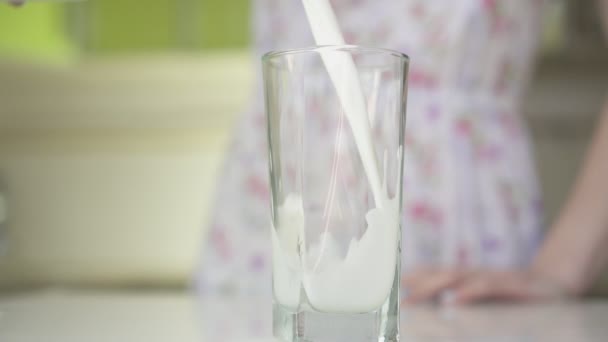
(115, 116)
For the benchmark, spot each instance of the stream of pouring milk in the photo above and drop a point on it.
(361, 281)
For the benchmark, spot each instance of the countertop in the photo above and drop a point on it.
(94, 316)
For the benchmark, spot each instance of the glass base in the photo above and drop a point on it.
(310, 326)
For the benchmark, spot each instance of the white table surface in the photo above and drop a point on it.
(66, 316)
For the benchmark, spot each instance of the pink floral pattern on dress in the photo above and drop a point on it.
(470, 190)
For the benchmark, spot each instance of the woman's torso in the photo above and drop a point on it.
(470, 193)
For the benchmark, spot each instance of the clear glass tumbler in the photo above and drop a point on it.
(336, 121)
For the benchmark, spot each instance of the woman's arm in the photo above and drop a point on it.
(572, 256)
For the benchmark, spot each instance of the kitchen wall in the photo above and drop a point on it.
(110, 166)
(563, 104)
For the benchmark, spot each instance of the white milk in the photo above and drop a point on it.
(343, 74)
(361, 281)
(287, 238)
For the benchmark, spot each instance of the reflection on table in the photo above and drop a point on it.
(133, 316)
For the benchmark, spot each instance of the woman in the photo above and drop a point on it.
(465, 203)
(571, 257)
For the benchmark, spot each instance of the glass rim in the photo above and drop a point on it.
(346, 47)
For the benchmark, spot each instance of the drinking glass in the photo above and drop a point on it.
(336, 121)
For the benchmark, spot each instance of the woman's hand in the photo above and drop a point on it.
(458, 287)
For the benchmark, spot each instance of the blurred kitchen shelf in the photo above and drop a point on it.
(562, 105)
(566, 95)
(127, 93)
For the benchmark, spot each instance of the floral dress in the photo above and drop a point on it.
(471, 196)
